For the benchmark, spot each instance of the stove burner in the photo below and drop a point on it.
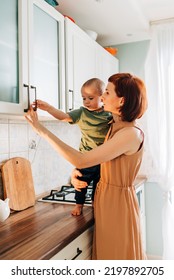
(66, 195)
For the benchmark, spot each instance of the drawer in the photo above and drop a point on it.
(79, 249)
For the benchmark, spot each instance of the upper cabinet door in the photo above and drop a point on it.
(85, 59)
(46, 54)
(31, 56)
(11, 91)
(80, 62)
(107, 64)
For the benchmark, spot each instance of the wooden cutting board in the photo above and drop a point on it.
(18, 183)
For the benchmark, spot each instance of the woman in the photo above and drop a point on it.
(117, 233)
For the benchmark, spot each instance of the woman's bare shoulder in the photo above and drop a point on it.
(130, 130)
(131, 137)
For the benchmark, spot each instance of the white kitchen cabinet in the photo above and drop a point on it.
(106, 64)
(79, 249)
(85, 59)
(141, 200)
(46, 55)
(36, 56)
(11, 98)
(80, 62)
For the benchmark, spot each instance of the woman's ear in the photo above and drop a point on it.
(121, 101)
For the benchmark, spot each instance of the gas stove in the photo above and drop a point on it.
(66, 195)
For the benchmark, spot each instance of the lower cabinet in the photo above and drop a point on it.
(79, 249)
(141, 201)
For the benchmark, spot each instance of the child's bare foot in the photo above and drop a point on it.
(77, 211)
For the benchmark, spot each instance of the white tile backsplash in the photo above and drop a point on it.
(4, 139)
(49, 169)
(18, 135)
(3, 130)
(4, 145)
(3, 157)
(19, 154)
(3, 120)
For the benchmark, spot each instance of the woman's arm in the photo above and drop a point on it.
(125, 141)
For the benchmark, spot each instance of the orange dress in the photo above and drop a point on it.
(117, 230)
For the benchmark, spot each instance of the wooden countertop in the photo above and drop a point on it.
(41, 231)
(139, 180)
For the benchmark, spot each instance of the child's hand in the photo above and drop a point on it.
(42, 105)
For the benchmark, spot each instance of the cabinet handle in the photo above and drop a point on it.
(78, 253)
(72, 102)
(28, 97)
(35, 96)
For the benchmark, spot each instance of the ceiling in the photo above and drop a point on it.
(117, 21)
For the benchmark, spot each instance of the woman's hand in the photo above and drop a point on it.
(32, 118)
(78, 185)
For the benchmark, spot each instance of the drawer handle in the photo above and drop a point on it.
(78, 253)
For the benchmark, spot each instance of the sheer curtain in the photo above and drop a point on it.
(159, 77)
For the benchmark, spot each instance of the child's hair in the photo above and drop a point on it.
(97, 83)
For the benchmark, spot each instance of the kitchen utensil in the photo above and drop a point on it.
(4, 209)
(92, 34)
(111, 50)
(69, 18)
(53, 3)
(18, 183)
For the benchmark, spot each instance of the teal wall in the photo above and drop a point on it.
(132, 58)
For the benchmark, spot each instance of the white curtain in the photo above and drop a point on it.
(159, 78)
